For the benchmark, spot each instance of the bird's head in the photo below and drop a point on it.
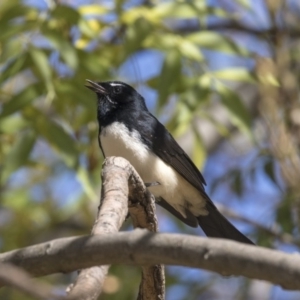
(115, 97)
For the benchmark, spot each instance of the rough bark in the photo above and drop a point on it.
(141, 247)
(120, 182)
(142, 212)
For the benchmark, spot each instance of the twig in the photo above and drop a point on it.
(282, 236)
(292, 32)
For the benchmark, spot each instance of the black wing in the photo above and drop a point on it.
(161, 142)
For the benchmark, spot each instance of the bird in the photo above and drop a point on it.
(128, 129)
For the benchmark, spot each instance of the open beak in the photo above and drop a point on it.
(96, 87)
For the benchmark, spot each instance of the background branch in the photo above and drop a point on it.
(292, 32)
(272, 231)
(19, 279)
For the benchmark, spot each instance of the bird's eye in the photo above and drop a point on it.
(117, 90)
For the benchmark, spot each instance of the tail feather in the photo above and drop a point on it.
(216, 225)
(189, 220)
(213, 225)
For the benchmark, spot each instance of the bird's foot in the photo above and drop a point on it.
(150, 184)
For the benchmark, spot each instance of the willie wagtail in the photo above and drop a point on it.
(129, 130)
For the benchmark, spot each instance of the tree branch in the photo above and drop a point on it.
(275, 232)
(292, 32)
(142, 212)
(19, 279)
(110, 217)
(119, 182)
(144, 248)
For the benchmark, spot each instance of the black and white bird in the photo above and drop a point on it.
(129, 130)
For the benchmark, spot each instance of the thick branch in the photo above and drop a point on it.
(120, 182)
(143, 248)
(111, 215)
(142, 212)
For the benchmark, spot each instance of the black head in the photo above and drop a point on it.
(116, 98)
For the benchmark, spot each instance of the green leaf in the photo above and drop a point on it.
(23, 98)
(218, 42)
(182, 120)
(22, 200)
(83, 178)
(19, 153)
(8, 31)
(170, 74)
(269, 170)
(12, 124)
(7, 5)
(95, 65)
(199, 151)
(237, 109)
(205, 81)
(65, 49)
(67, 13)
(41, 61)
(167, 41)
(13, 67)
(190, 51)
(236, 182)
(11, 12)
(12, 48)
(285, 215)
(244, 3)
(186, 10)
(55, 135)
(94, 9)
(235, 74)
(141, 12)
(88, 30)
(76, 93)
(13, 19)
(135, 35)
(195, 95)
(269, 79)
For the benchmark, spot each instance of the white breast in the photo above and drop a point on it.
(117, 140)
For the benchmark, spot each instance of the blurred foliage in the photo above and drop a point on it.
(49, 155)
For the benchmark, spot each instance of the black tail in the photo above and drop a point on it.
(216, 225)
